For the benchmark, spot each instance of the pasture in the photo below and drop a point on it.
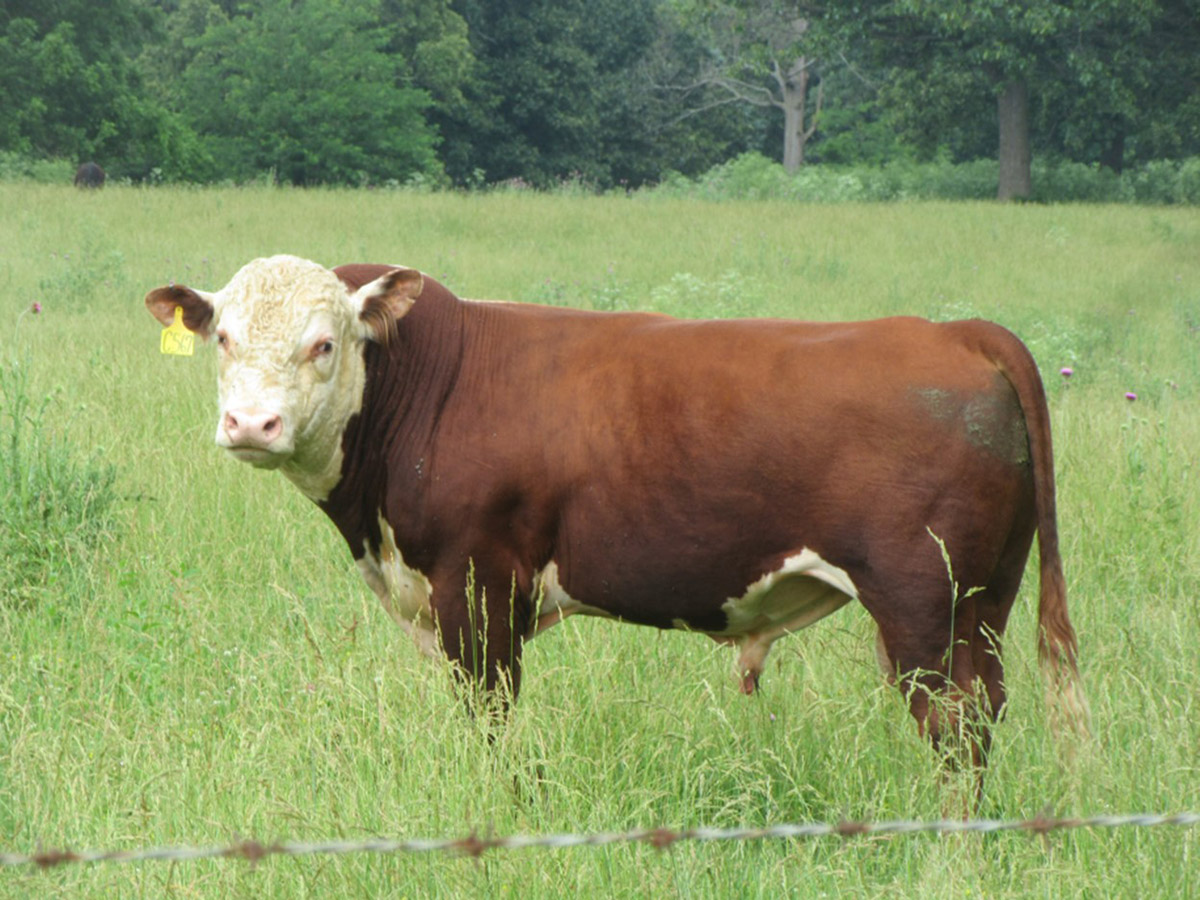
(202, 662)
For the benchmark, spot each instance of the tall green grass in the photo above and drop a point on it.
(56, 505)
(221, 672)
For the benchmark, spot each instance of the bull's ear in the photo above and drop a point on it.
(197, 307)
(386, 299)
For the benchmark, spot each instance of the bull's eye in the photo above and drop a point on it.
(222, 340)
(322, 348)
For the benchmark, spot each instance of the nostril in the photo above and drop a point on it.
(251, 427)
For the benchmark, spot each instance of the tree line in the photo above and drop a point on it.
(608, 93)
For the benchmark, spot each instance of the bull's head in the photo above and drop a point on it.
(291, 370)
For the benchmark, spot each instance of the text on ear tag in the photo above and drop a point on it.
(176, 339)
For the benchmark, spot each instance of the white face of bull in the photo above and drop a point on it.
(290, 339)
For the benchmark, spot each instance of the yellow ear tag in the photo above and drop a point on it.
(176, 339)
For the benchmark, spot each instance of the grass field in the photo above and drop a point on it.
(201, 662)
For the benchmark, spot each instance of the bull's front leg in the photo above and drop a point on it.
(481, 619)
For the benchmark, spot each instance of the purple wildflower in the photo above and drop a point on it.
(37, 307)
(1066, 371)
(1130, 396)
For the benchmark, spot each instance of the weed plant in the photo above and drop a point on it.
(219, 671)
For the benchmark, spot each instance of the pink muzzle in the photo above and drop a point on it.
(251, 428)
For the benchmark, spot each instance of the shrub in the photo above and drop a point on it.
(1189, 181)
(729, 295)
(1166, 181)
(752, 176)
(18, 167)
(1072, 182)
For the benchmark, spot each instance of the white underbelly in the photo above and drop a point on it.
(801, 591)
(553, 604)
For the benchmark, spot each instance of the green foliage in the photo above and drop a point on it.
(857, 133)
(1071, 182)
(72, 92)
(1165, 181)
(611, 94)
(767, 54)
(941, 110)
(433, 40)
(259, 91)
(752, 176)
(729, 295)
(23, 167)
(552, 97)
(1100, 74)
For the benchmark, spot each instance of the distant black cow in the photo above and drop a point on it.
(89, 175)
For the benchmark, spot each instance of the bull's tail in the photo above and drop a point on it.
(1058, 648)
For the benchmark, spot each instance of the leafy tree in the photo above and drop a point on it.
(555, 93)
(607, 91)
(181, 24)
(855, 126)
(70, 90)
(1020, 52)
(764, 53)
(1132, 93)
(1169, 123)
(692, 126)
(432, 40)
(305, 90)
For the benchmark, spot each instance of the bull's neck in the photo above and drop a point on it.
(385, 446)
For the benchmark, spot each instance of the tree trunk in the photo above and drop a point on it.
(1016, 179)
(793, 93)
(793, 125)
(793, 90)
(1113, 156)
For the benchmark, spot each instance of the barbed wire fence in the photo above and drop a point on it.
(661, 838)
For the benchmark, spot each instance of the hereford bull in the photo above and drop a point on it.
(496, 467)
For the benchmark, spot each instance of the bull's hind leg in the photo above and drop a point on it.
(992, 606)
(940, 632)
(930, 659)
(992, 609)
